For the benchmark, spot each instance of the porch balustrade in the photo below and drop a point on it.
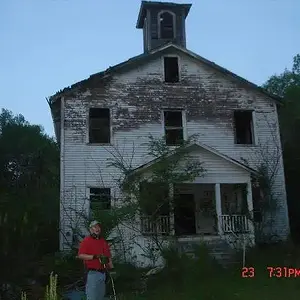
(234, 223)
(159, 225)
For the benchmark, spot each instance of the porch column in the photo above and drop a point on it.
(218, 206)
(250, 206)
(171, 199)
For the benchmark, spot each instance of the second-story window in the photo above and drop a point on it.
(173, 127)
(166, 20)
(171, 69)
(99, 126)
(243, 122)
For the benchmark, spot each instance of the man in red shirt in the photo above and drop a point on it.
(92, 249)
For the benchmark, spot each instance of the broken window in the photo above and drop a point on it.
(171, 69)
(173, 127)
(99, 125)
(100, 199)
(243, 127)
(166, 25)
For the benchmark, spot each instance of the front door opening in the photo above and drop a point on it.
(184, 214)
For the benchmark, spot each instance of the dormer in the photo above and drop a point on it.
(162, 23)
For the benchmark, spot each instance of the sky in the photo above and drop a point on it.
(47, 45)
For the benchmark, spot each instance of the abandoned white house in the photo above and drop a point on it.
(169, 91)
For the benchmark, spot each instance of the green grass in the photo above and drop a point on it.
(204, 279)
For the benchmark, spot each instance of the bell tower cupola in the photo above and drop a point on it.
(162, 23)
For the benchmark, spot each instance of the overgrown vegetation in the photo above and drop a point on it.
(151, 193)
(29, 207)
(287, 85)
(203, 279)
(185, 278)
(29, 200)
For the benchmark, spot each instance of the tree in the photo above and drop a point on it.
(29, 195)
(287, 85)
(280, 84)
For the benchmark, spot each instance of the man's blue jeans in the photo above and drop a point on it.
(95, 285)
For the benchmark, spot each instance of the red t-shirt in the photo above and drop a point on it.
(93, 246)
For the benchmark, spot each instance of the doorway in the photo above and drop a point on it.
(184, 214)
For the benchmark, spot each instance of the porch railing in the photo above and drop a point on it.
(158, 225)
(234, 223)
(238, 238)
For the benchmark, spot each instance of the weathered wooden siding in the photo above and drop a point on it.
(218, 170)
(136, 98)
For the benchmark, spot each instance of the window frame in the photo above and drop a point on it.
(253, 130)
(90, 194)
(88, 142)
(159, 24)
(164, 71)
(183, 117)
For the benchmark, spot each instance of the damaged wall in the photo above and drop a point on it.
(136, 99)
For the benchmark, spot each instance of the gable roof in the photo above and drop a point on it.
(191, 147)
(146, 56)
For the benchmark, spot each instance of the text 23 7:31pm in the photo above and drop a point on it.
(279, 272)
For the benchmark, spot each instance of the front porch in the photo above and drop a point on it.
(203, 210)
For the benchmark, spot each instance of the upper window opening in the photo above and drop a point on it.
(166, 25)
(243, 127)
(100, 199)
(173, 127)
(99, 125)
(171, 69)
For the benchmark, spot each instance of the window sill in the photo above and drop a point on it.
(99, 144)
(174, 147)
(171, 83)
(246, 145)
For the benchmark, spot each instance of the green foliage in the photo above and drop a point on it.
(23, 296)
(187, 278)
(66, 265)
(173, 165)
(128, 278)
(170, 165)
(287, 85)
(29, 195)
(51, 289)
(202, 278)
(109, 219)
(280, 84)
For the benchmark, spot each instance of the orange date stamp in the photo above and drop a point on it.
(272, 272)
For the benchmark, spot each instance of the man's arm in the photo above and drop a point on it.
(87, 256)
(83, 250)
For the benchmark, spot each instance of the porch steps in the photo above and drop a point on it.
(218, 248)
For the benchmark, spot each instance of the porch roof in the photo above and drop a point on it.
(191, 147)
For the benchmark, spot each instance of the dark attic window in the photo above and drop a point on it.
(243, 127)
(171, 69)
(99, 126)
(173, 128)
(166, 25)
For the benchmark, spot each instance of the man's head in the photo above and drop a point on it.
(95, 229)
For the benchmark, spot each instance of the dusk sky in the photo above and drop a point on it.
(47, 45)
